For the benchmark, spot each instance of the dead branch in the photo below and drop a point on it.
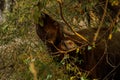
(110, 27)
(61, 14)
(114, 69)
(105, 51)
(99, 27)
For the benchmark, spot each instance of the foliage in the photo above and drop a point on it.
(19, 40)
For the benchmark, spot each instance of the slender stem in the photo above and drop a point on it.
(99, 27)
(61, 13)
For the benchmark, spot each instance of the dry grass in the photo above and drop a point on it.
(17, 63)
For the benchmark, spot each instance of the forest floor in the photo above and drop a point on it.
(17, 53)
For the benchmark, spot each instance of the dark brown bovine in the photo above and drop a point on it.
(50, 31)
(109, 50)
(103, 61)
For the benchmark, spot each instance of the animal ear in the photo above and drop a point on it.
(41, 19)
(43, 15)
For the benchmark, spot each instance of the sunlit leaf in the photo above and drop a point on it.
(110, 36)
(89, 47)
(72, 78)
(77, 50)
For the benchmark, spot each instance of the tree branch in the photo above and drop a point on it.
(99, 27)
(61, 14)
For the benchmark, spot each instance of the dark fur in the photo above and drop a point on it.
(2, 4)
(51, 31)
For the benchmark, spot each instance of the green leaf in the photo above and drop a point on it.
(89, 47)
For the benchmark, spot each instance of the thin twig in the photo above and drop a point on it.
(61, 13)
(107, 60)
(78, 69)
(67, 51)
(99, 27)
(60, 51)
(32, 68)
(110, 27)
(105, 51)
(114, 69)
